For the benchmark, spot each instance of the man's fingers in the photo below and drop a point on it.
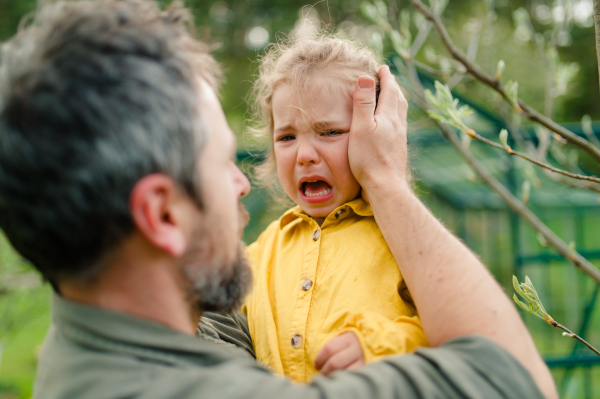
(331, 348)
(340, 361)
(391, 97)
(364, 104)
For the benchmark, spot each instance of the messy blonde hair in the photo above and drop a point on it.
(293, 62)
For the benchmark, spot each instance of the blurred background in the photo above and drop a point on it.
(547, 46)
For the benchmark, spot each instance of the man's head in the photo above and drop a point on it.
(104, 117)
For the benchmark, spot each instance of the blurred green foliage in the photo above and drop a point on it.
(242, 28)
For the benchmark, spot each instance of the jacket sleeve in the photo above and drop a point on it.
(465, 368)
(380, 336)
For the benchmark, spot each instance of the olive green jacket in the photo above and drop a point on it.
(91, 353)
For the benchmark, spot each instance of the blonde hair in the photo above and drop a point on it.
(293, 62)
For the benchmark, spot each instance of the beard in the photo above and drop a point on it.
(215, 280)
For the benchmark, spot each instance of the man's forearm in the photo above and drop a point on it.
(454, 293)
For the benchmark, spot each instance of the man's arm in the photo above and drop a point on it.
(453, 291)
(466, 368)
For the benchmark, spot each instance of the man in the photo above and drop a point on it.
(117, 182)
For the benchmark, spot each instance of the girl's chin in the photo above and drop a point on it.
(318, 211)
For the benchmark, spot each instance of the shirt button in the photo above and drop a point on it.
(316, 235)
(339, 213)
(306, 284)
(297, 340)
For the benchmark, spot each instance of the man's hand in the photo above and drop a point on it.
(341, 353)
(377, 149)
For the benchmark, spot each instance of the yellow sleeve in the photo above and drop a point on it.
(380, 336)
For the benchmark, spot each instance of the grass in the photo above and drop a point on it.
(30, 315)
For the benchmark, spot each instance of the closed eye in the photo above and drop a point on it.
(331, 133)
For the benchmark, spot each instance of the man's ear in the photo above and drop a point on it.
(154, 203)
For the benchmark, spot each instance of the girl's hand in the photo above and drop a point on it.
(341, 353)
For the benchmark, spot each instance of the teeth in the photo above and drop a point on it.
(319, 194)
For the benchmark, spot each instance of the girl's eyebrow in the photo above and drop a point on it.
(284, 128)
(319, 126)
(322, 126)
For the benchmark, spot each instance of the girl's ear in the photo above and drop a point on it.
(154, 205)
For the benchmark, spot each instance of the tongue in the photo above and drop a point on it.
(316, 187)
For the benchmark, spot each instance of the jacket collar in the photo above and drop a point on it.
(108, 330)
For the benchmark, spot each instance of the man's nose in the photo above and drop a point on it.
(242, 184)
(307, 153)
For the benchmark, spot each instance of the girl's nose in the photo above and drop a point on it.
(306, 153)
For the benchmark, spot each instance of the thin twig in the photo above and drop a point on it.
(520, 140)
(471, 133)
(427, 68)
(512, 202)
(573, 335)
(474, 70)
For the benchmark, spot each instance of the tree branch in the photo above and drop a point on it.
(573, 335)
(520, 209)
(495, 84)
(471, 133)
(512, 202)
(520, 140)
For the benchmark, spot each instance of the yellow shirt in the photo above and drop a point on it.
(312, 284)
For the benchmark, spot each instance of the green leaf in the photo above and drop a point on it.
(438, 6)
(512, 92)
(370, 12)
(572, 251)
(528, 292)
(521, 304)
(586, 125)
(434, 115)
(504, 138)
(381, 8)
(376, 42)
(431, 99)
(500, 69)
(464, 111)
(517, 287)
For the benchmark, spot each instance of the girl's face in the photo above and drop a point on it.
(311, 147)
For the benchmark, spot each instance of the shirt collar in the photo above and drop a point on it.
(357, 206)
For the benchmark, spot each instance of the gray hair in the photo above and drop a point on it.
(95, 95)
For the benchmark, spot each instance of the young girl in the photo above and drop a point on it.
(322, 270)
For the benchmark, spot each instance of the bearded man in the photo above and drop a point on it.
(118, 183)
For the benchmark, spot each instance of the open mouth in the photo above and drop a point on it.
(315, 188)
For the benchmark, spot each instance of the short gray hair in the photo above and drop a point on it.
(95, 95)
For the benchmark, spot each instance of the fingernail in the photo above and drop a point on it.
(366, 83)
